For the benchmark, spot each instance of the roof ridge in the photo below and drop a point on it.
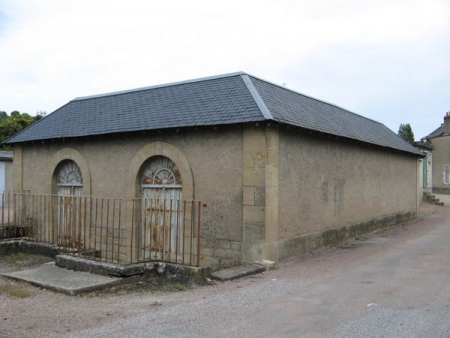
(258, 99)
(313, 98)
(208, 78)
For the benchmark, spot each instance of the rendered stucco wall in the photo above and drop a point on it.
(215, 159)
(271, 192)
(331, 190)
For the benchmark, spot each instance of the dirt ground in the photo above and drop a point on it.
(27, 311)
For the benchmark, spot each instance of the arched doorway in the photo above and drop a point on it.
(161, 188)
(69, 186)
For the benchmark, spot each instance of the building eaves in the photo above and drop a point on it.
(6, 155)
(423, 145)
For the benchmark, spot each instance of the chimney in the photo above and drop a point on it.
(447, 123)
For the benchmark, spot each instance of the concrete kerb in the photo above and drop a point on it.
(99, 268)
(170, 272)
(75, 275)
(28, 246)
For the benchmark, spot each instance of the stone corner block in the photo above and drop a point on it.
(268, 265)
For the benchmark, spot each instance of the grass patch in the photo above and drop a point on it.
(174, 287)
(17, 258)
(15, 291)
(22, 259)
(163, 287)
(151, 287)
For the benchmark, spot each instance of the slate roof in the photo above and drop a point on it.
(220, 100)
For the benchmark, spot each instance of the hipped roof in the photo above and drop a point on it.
(219, 100)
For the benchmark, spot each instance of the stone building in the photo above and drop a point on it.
(439, 140)
(281, 172)
(425, 167)
(6, 171)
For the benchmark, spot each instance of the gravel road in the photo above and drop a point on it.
(389, 284)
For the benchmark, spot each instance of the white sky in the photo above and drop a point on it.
(387, 60)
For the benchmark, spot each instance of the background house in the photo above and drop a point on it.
(6, 171)
(281, 172)
(439, 140)
(425, 167)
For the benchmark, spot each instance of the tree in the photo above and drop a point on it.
(406, 133)
(15, 122)
(40, 114)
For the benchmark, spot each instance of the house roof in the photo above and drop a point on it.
(436, 133)
(422, 145)
(219, 100)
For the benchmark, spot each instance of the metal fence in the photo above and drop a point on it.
(122, 231)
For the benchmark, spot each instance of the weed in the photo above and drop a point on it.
(174, 287)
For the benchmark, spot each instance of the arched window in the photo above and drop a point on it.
(161, 171)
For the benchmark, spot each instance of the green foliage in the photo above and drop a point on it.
(406, 133)
(14, 123)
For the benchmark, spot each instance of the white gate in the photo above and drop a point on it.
(162, 231)
(69, 186)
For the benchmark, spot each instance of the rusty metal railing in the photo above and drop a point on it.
(122, 231)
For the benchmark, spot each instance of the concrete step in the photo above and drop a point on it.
(429, 198)
(237, 272)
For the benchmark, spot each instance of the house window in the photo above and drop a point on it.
(446, 174)
(161, 172)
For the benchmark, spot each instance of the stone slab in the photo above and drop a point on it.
(49, 276)
(237, 272)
